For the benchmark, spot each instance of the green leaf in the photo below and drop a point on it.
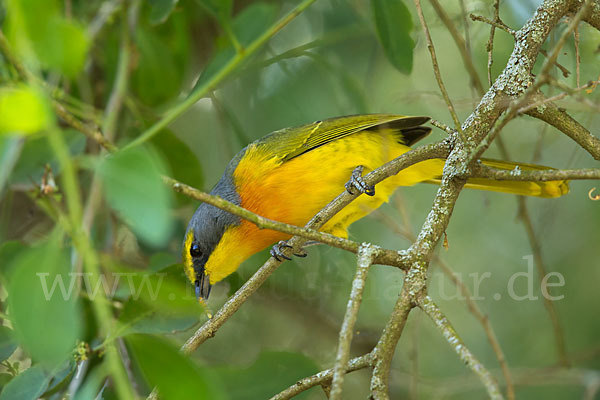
(41, 299)
(160, 10)
(9, 252)
(4, 379)
(167, 291)
(161, 260)
(253, 21)
(23, 110)
(176, 377)
(61, 379)
(271, 373)
(158, 75)
(220, 9)
(247, 26)
(8, 344)
(65, 47)
(28, 385)
(183, 163)
(40, 33)
(10, 150)
(140, 317)
(92, 386)
(134, 188)
(394, 24)
(36, 154)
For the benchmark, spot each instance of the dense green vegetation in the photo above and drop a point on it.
(98, 99)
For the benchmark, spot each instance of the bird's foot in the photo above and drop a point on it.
(358, 182)
(277, 251)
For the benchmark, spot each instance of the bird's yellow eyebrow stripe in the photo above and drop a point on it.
(188, 263)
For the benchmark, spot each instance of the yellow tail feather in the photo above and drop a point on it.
(524, 188)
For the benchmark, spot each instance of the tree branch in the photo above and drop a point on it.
(322, 377)
(483, 171)
(366, 255)
(426, 304)
(383, 353)
(436, 68)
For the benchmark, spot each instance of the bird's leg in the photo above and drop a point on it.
(277, 250)
(357, 182)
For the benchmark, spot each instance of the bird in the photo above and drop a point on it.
(292, 173)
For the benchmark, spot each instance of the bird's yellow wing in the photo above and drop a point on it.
(288, 143)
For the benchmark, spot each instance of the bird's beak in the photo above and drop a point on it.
(202, 285)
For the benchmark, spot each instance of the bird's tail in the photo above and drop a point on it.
(524, 188)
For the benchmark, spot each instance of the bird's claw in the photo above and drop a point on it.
(357, 182)
(277, 251)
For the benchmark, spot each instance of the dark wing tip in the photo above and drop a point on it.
(413, 135)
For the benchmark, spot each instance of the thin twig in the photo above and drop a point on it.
(426, 304)
(90, 132)
(442, 126)
(498, 23)
(562, 121)
(532, 88)
(217, 78)
(577, 58)
(324, 376)
(436, 69)
(407, 233)
(465, 21)
(366, 255)
(559, 335)
(490, 43)
(559, 96)
(385, 349)
(483, 171)
(462, 46)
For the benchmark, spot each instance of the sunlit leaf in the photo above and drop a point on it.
(394, 24)
(160, 10)
(174, 374)
(8, 344)
(41, 299)
(271, 373)
(134, 188)
(28, 385)
(23, 110)
(38, 29)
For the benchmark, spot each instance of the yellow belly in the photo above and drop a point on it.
(296, 190)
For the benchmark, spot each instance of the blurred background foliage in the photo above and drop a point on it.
(70, 211)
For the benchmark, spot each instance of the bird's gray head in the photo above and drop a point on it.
(203, 234)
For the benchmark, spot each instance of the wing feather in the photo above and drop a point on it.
(288, 143)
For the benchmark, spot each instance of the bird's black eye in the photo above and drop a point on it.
(195, 250)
